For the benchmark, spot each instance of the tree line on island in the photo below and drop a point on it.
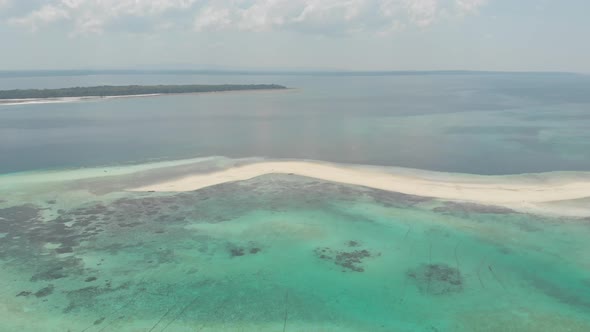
(129, 90)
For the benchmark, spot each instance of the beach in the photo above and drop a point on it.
(55, 100)
(525, 193)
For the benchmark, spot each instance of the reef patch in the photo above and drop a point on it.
(348, 260)
(436, 279)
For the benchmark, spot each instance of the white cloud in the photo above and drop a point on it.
(423, 12)
(346, 15)
(44, 15)
(306, 16)
(470, 5)
(4, 3)
(91, 16)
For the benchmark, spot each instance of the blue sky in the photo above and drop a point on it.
(520, 35)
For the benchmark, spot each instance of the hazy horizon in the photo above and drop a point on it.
(221, 70)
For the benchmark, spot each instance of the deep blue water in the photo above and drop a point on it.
(485, 124)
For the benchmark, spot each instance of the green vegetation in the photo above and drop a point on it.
(130, 90)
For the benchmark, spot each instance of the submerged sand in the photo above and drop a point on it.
(539, 193)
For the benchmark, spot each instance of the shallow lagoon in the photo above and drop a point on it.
(276, 253)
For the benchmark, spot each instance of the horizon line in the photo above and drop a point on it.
(287, 72)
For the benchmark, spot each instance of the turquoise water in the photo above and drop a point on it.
(284, 253)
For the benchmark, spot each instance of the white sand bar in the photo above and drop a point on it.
(519, 192)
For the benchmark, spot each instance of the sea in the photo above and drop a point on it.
(78, 252)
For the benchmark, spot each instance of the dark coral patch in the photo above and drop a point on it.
(98, 321)
(89, 297)
(352, 260)
(236, 252)
(347, 260)
(129, 224)
(64, 250)
(436, 279)
(566, 295)
(45, 291)
(53, 273)
(463, 207)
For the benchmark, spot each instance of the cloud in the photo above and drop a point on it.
(304, 16)
(44, 15)
(345, 15)
(92, 16)
(470, 6)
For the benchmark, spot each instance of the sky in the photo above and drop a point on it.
(510, 35)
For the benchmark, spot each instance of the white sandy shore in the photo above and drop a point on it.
(527, 195)
(33, 101)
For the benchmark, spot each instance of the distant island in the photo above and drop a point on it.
(129, 90)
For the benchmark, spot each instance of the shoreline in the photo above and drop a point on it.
(535, 193)
(556, 194)
(58, 100)
(34, 101)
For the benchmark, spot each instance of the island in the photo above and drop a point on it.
(128, 90)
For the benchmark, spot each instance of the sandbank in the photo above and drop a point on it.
(532, 193)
